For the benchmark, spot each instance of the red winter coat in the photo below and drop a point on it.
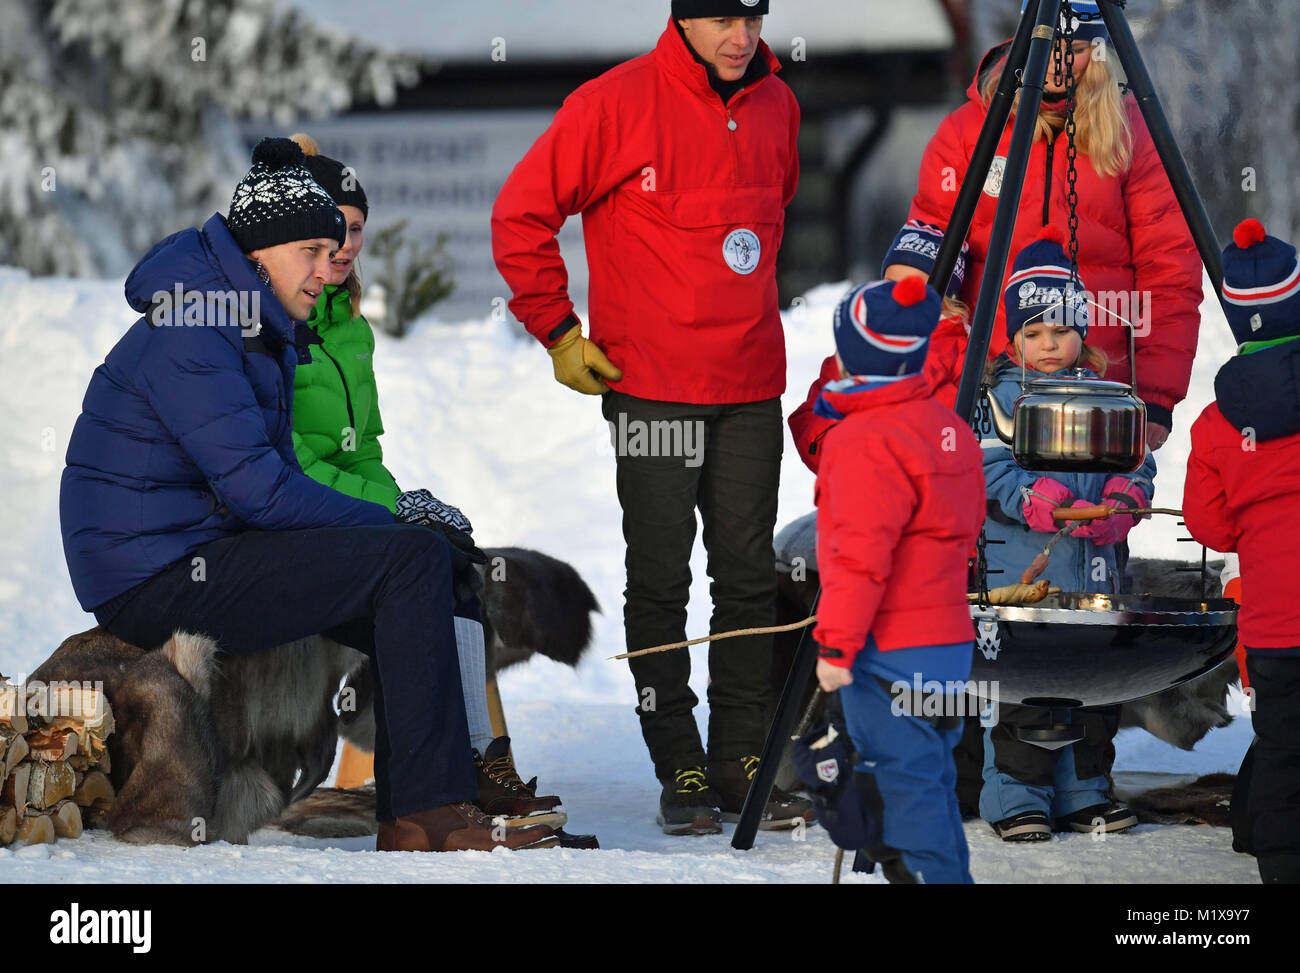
(943, 364)
(1245, 500)
(1132, 237)
(683, 209)
(900, 503)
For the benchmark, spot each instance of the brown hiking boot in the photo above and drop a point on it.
(458, 827)
(501, 793)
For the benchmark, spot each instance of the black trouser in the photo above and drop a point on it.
(385, 591)
(1273, 796)
(1094, 755)
(733, 481)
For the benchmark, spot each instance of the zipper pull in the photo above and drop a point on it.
(731, 122)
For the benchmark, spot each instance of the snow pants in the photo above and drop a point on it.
(1020, 777)
(386, 591)
(732, 477)
(910, 758)
(1273, 795)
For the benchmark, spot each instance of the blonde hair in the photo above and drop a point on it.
(353, 281)
(1103, 132)
(953, 308)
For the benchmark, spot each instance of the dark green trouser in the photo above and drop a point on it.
(725, 460)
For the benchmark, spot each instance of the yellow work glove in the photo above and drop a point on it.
(581, 365)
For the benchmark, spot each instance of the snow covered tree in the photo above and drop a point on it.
(117, 120)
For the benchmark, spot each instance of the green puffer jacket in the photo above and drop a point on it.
(337, 393)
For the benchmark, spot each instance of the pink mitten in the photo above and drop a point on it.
(1120, 494)
(1047, 496)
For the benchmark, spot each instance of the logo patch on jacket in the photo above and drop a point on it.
(993, 181)
(828, 770)
(741, 250)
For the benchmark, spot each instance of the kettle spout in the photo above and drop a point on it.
(1003, 424)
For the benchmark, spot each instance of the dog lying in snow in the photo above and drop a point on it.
(212, 747)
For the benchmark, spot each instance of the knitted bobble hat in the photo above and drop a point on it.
(1040, 287)
(883, 329)
(1261, 285)
(1084, 30)
(334, 177)
(686, 9)
(278, 201)
(917, 245)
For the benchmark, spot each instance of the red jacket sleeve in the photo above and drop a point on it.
(573, 164)
(792, 174)
(1205, 507)
(943, 167)
(806, 427)
(1166, 265)
(864, 502)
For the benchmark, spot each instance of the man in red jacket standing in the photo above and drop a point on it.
(1241, 493)
(681, 163)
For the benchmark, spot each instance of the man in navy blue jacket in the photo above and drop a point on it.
(183, 505)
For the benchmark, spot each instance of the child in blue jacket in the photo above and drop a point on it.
(1029, 789)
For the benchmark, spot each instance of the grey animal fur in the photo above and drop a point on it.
(212, 747)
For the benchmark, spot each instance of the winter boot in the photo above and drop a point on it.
(1029, 826)
(457, 827)
(688, 805)
(502, 794)
(1109, 817)
(730, 779)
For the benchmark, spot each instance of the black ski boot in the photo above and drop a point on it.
(730, 779)
(688, 804)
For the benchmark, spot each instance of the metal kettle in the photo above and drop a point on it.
(1068, 422)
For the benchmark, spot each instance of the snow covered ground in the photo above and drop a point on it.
(473, 414)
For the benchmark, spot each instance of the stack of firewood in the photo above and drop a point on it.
(53, 761)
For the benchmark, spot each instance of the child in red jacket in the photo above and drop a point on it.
(1241, 494)
(900, 502)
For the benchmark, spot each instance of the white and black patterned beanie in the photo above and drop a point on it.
(279, 201)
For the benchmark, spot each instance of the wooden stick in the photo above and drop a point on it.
(1101, 511)
(767, 630)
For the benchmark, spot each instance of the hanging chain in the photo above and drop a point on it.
(1071, 152)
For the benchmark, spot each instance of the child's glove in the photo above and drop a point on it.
(581, 365)
(1120, 494)
(1044, 497)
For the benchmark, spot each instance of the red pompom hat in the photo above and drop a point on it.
(1261, 285)
(883, 329)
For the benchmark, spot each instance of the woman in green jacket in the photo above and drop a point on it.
(336, 430)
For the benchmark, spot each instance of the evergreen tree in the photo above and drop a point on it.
(118, 119)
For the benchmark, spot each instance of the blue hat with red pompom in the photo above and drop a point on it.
(1261, 285)
(883, 329)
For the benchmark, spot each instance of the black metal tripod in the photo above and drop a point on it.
(1026, 69)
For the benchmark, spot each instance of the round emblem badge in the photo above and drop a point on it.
(741, 251)
(993, 181)
(1026, 291)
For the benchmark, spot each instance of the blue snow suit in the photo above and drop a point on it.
(1020, 777)
(186, 430)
